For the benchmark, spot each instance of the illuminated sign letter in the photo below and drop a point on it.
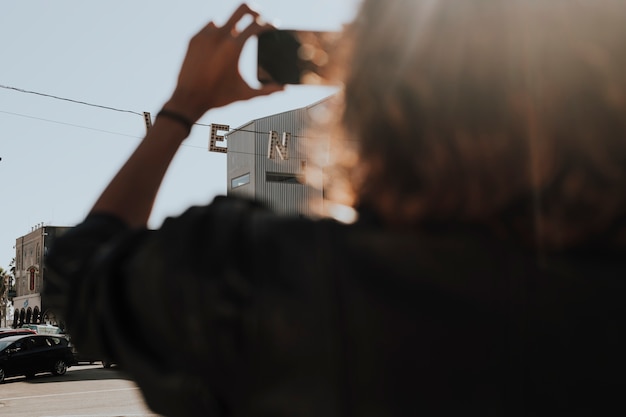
(274, 145)
(148, 119)
(218, 138)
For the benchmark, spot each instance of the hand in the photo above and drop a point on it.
(210, 76)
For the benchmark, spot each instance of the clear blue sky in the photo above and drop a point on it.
(57, 155)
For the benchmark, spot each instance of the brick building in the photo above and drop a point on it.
(30, 276)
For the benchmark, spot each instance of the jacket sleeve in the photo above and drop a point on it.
(165, 304)
(70, 263)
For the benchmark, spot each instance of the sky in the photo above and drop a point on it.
(75, 78)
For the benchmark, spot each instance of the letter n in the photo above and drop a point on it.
(275, 146)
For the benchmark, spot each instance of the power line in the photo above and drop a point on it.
(121, 134)
(21, 90)
(84, 103)
(68, 124)
(88, 128)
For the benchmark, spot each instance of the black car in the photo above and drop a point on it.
(32, 354)
(13, 332)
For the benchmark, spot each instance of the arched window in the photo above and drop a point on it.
(35, 319)
(31, 272)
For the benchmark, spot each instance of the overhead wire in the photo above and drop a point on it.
(88, 128)
(21, 90)
(84, 103)
(68, 124)
(110, 132)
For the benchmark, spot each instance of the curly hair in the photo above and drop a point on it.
(505, 113)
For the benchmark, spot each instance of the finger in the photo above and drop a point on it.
(209, 26)
(265, 90)
(241, 11)
(270, 88)
(253, 29)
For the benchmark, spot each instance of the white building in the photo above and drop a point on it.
(268, 157)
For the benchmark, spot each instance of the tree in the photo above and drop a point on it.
(11, 274)
(7, 278)
(4, 281)
(4, 284)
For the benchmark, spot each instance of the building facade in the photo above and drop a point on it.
(268, 158)
(30, 276)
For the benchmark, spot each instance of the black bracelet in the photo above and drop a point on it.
(177, 117)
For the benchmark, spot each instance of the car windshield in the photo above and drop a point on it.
(4, 344)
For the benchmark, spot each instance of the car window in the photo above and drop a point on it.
(21, 344)
(53, 341)
(4, 344)
(39, 342)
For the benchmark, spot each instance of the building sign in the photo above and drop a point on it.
(218, 138)
(274, 146)
(147, 119)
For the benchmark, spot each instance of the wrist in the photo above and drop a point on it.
(176, 117)
(183, 104)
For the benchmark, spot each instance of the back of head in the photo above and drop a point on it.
(507, 113)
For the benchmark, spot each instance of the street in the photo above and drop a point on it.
(84, 391)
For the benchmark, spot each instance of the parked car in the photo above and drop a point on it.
(107, 363)
(79, 357)
(34, 353)
(43, 328)
(14, 332)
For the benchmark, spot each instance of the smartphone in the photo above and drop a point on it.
(296, 57)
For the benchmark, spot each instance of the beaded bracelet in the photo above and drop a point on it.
(177, 117)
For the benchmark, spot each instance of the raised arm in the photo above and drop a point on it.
(209, 78)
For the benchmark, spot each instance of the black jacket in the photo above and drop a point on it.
(231, 310)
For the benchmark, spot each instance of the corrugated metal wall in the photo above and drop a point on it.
(241, 159)
(247, 152)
